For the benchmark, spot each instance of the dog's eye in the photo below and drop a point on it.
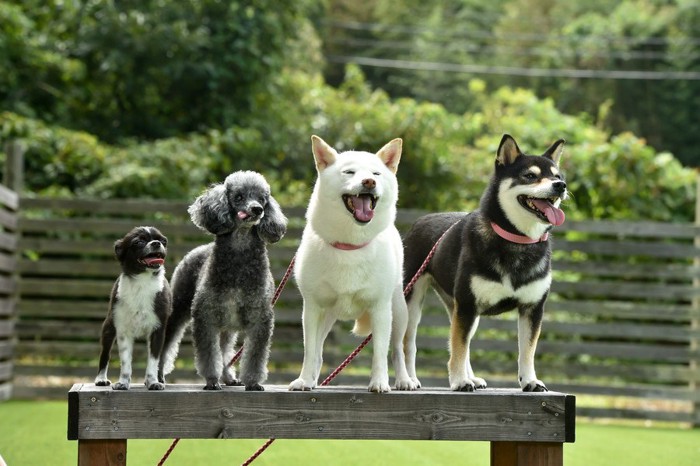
(377, 174)
(238, 198)
(349, 172)
(529, 176)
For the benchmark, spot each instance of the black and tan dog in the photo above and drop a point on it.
(492, 260)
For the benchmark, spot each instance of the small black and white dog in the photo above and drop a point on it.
(492, 260)
(226, 286)
(139, 306)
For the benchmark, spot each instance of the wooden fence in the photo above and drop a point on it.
(8, 244)
(620, 330)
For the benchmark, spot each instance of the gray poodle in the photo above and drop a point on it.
(226, 286)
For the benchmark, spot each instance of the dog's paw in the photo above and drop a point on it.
(120, 386)
(155, 386)
(300, 385)
(534, 386)
(379, 386)
(479, 383)
(103, 383)
(406, 384)
(256, 387)
(212, 386)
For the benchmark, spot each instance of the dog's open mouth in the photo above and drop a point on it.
(361, 206)
(153, 260)
(544, 208)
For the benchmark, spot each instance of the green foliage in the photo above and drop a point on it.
(145, 69)
(446, 163)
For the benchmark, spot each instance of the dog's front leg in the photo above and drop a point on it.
(312, 318)
(529, 325)
(207, 352)
(381, 336)
(126, 352)
(155, 349)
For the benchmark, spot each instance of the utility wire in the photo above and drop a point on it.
(517, 71)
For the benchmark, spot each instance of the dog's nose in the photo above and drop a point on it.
(369, 183)
(559, 185)
(256, 210)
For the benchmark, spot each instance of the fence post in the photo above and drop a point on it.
(14, 166)
(695, 317)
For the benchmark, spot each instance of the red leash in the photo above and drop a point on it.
(346, 362)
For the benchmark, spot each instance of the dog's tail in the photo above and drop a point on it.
(363, 326)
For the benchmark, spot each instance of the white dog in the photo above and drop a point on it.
(350, 261)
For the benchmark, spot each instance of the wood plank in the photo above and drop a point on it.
(623, 228)
(187, 411)
(630, 248)
(621, 309)
(624, 290)
(8, 220)
(8, 198)
(610, 269)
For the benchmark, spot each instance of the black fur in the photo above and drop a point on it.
(131, 250)
(471, 248)
(226, 286)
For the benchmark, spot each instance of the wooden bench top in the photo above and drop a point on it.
(187, 411)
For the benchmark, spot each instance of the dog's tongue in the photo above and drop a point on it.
(362, 208)
(554, 215)
(151, 261)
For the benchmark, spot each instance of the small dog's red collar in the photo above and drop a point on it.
(348, 246)
(520, 239)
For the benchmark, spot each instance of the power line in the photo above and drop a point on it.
(516, 71)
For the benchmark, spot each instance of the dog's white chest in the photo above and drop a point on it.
(490, 292)
(134, 307)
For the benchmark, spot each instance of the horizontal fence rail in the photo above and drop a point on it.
(619, 327)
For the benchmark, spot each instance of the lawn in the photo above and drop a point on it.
(34, 433)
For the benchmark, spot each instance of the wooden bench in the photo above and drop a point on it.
(523, 428)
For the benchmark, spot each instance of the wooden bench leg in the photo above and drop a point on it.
(102, 452)
(527, 454)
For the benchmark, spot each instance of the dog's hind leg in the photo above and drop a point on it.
(529, 325)
(463, 326)
(381, 331)
(207, 351)
(126, 353)
(414, 305)
(155, 349)
(109, 333)
(258, 338)
(174, 331)
(399, 323)
(228, 343)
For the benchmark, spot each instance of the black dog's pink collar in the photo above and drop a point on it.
(520, 239)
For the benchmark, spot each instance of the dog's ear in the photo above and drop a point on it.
(324, 155)
(211, 212)
(273, 225)
(554, 153)
(390, 154)
(508, 150)
(119, 249)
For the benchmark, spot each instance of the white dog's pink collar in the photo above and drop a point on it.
(348, 246)
(520, 239)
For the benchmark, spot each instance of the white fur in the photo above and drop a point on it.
(134, 317)
(347, 284)
(491, 292)
(522, 219)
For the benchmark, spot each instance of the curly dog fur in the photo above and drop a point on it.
(226, 285)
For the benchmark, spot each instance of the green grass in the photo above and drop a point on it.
(34, 433)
